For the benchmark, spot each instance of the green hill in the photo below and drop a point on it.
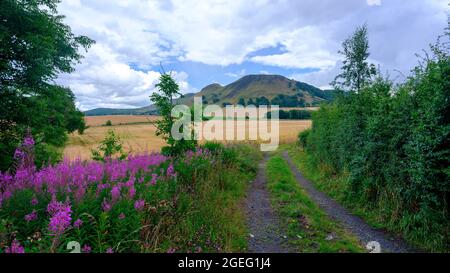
(250, 89)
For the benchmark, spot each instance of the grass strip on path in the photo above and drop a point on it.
(309, 228)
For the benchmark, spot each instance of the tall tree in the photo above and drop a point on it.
(36, 46)
(168, 89)
(356, 71)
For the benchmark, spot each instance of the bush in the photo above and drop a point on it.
(302, 138)
(394, 144)
(110, 146)
(108, 123)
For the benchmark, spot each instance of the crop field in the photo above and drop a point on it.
(138, 134)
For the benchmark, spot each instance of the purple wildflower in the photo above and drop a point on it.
(60, 219)
(115, 193)
(131, 193)
(109, 250)
(106, 206)
(139, 204)
(34, 201)
(121, 216)
(31, 217)
(171, 171)
(78, 223)
(86, 249)
(154, 179)
(15, 248)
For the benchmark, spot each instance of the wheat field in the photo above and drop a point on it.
(137, 134)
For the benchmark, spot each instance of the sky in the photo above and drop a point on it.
(219, 41)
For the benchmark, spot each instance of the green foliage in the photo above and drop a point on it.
(302, 216)
(287, 101)
(394, 144)
(108, 123)
(356, 72)
(36, 46)
(302, 138)
(163, 99)
(292, 114)
(110, 147)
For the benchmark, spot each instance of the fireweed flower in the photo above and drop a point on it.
(131, 193)
(78, 223)
(121, 216)
(115, 193)
(109, 250)
(106, 206)
(139, 204)
(34, 201)
(86, 249)
(31, 217)
(15, 248)
(171, 171)
(154, 179)
(60, 219)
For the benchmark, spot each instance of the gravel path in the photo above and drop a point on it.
(265, 234)
(351, 222)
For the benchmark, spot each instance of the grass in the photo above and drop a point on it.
(335, 185)
(138, 134)
(307, 225)
(214, 215)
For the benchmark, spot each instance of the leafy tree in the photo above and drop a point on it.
(110, 146)
(241, 101)
(36, 46)
(262, 101)
(356, 71)
(168, 89)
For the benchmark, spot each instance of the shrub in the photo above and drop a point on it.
(393, 143)
(108, 123)
(110, 146)
(302, 138)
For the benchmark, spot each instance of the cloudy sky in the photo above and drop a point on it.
(203, 42)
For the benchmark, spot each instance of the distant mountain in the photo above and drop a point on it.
(146, 110)
(274, 88)
(250, 89)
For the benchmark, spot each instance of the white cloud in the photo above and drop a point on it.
(102, 80)
(133, 36)
(374, 2)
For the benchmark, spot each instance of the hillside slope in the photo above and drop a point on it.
(250, 89)
(257, 86)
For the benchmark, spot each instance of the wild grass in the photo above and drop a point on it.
(138, 135)
(308, 227)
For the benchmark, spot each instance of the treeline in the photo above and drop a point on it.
(292, 114)
(391, 142)
(35, 46)
(280, 100)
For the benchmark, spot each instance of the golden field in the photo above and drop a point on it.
(137, 134)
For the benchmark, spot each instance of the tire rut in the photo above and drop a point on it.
(352, 223)
(265, 233)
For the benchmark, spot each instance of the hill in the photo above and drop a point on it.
(250, 89)
(275, 89)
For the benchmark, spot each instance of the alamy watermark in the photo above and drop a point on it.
(229, 123)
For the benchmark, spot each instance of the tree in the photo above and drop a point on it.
(241, 101)
(163, 99)
(36, 46)
(110, 146)
(356, 72)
